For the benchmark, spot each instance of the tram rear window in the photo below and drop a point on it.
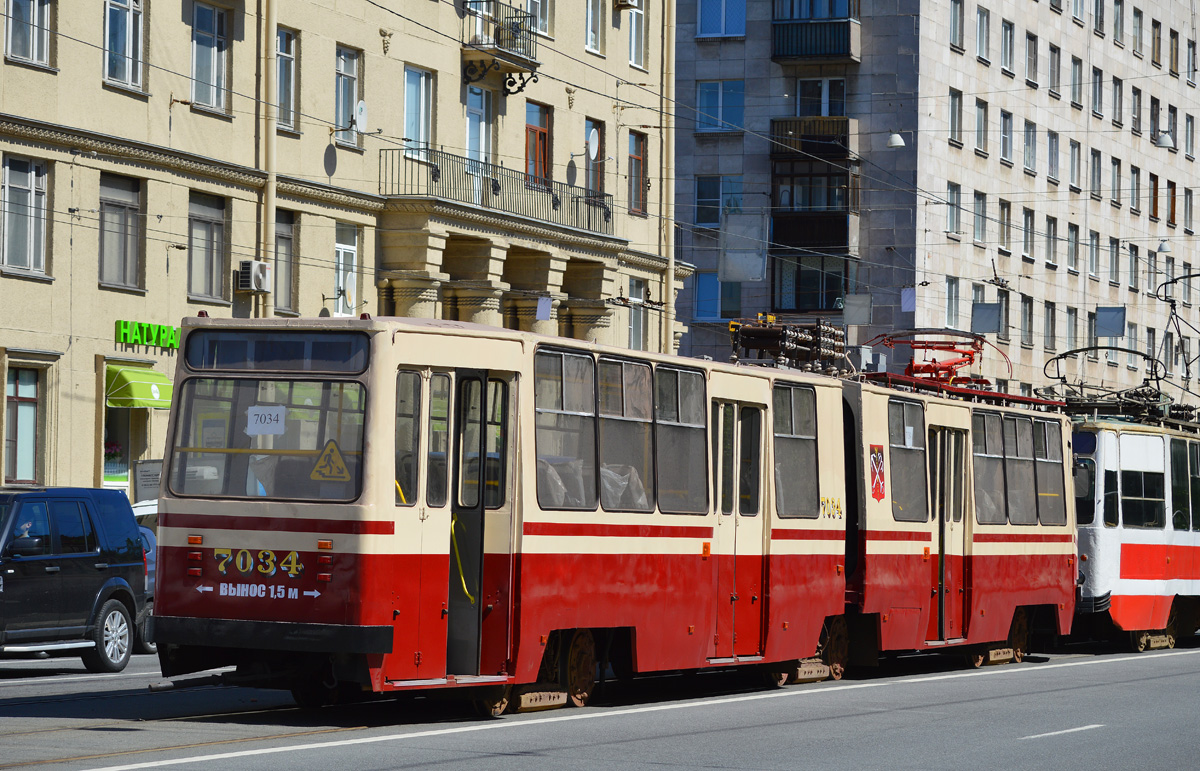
(277, 351)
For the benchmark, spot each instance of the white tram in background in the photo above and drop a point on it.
(392, 504)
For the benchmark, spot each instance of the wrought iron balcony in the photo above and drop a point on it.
(491, 27)
(835, 37)
(425, 173)
(830, 138)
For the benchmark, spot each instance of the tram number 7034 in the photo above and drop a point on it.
(266, 562)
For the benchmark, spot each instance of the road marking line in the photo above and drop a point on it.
(512, 724)
(1060, 733)
(73, 679)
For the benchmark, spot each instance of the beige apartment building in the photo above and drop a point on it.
(461, 159)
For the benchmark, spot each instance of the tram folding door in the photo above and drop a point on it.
(737, 472)
(948, 479)
(478, 634)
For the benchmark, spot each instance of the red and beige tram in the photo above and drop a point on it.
(386, 504)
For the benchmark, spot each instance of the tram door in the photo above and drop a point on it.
(478, 622)
(737, 462)
(947, 481)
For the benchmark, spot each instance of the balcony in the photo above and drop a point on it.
(834, 37)
(829, 138)
(492, 28)
(423, 173)
(825, 232)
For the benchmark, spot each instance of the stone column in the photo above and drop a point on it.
(591, 320)
(480, 306)
(415, 296)
(527, 320)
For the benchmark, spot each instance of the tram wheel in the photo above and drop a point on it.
(835, 647)
(777, 678)
(975, 659)
(1138, 640)
(1018, 635)
(495, 703)
(579, 668)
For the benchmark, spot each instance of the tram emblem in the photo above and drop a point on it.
(877, 484)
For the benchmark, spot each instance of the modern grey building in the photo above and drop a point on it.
(1047, 166)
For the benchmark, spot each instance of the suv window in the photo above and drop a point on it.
(32, 522)
(75, 533)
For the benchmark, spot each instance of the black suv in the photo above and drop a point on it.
(72, 574)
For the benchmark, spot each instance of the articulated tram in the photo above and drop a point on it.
(374, 505)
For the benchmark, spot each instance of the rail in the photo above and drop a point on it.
(489, 24)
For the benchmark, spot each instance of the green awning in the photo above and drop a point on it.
(136, 387)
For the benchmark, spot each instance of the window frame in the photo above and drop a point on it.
(217, 54)
(38, 216)
(134, 43)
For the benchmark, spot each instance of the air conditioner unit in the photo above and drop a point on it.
(253, 276)
(627, 3)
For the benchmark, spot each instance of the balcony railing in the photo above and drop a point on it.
(822, 137)
(827, 39)
(495, 27)
(425, 173)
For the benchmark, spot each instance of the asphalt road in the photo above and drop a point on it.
(1078, 709)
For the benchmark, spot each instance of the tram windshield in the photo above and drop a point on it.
(282, 439)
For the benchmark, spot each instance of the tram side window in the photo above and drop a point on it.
(439, 440)
(496, 446)
(906, 435)
(626, 436)
(796, 491)
(748, 460)
(988, 451)
(1194, 481)
(681, 441)
(1020, 481)
(565, 436)
(1143, 501)
(408, 436)
(1110, 499)
(1048, 462)
(1085, 491)
(1180, 504)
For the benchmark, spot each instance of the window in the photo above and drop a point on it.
(1093, 253)
(1151, 346)
(979, 233)
(1118, 107)
(1187, 283)
(715, 196)
(23, 196)
(540, 10)
(208, 56)
(1137, 31)
(1005, 225)
(123, 42)
(1031, 59)
(1028, 234)
(1134, 268)
(1051, 240)
(285, 260)
(1052, 155)
(1098, 16)
(1076, 81)
(345, 95)
(1055, 66)
(810, 283)
(956, 116)
(956, 24)
(1131, 333)
(206, 246)
(953, 207)
(1169, 290)
(820, 98)
(1114, 260)
(638, 180)
(120, 231)
(988, 453)
(637, 35)
(1006, 136)
(981, 125)
(1170, 202)
(565, 429)
(976, 298)
(1156, 42)
(723, 17)
(721, 105)
(1119, 21)
(1030, 146)
(1189, 136)
(285, 56)
(21, 416)
(537, 144)
(1007, 42)
(1135, 189)
(345, 269)
(1072, 328)
(1172, 126)
(1091, 333)
(812, 186)
(1073, 246)
(1076, 161)
(1026, 320)
(1135, 109)
(1191, 62)
(716, 299)
(1154, 110)
(594, 24)
(906, 439)
(796, 474)
(418, 112)
(637, 316)
(1115, 192)
(479, 126)
(951, 302)
(1002, 298)
(983, 22)
(1154, 196)
(29, 30)
(1097, 91)
(408, 436)
(1169, 352)
(1151, 271)
(1187, 209)
(680, 441)
(1097, 159)
(594, 168)
(1173, 53)
(1049, 338)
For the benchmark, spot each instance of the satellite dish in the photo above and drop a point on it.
(593, 144)
(360, 116)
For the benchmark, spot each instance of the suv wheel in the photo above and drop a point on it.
(113, 636)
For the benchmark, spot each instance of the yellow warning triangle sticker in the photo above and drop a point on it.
(330, 467)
